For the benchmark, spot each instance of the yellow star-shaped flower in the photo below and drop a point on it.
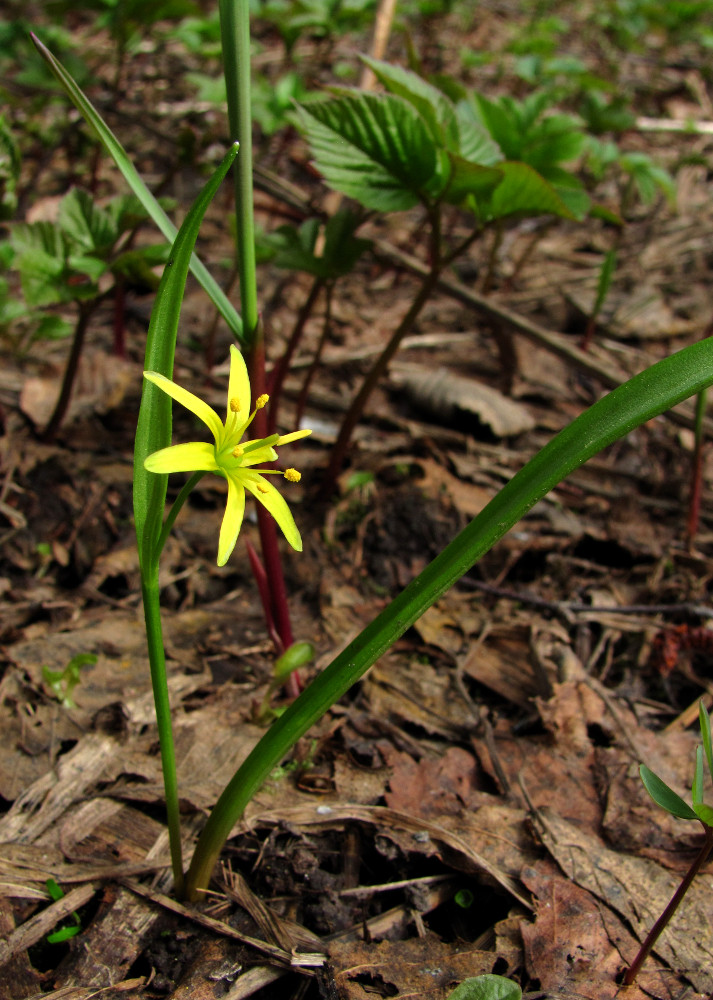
(230, 458)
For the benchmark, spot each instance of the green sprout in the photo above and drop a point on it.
(669, 800)
(69, 931)
(63, 682)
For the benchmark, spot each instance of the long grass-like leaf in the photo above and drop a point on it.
(651, 392)
(705, 724)
(154, 424)
(117, 152)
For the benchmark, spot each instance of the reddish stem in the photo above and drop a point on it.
(272, 562)
(633, 970)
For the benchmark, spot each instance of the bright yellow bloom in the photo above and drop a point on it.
(229, 458)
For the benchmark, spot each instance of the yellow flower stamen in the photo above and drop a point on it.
(263, 489)
(235, 405)
(261, 401)
(238, 451)
(292, 475)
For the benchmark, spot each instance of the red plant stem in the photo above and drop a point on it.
(355, 411)
(665, 917)
(264, 590)
(280, 611)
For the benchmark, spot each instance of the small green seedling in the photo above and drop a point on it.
(298, 655)
(673, 803)
(71, 930)
(487, 987)
(63, 682)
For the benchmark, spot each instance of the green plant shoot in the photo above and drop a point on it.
(664, 796)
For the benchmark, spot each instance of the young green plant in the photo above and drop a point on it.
(669, 800)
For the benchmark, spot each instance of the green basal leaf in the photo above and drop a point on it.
(705, 724)
(664, 796)
(89, 226)
(488, 987)
(154, 423)
(117, 152)
(373, 148)
(697, 786)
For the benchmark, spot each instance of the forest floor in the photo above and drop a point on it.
(473, 805)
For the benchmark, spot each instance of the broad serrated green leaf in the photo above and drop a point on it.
(294, 248)
(524, 192)
(664, 796)
(373, 148)
(557, 139)
(41, 258)
(117, 152)
(432, 104)
(470, 179)
(154, 423)
(87, 225)
(487, 987)
(476, 144)
(705, 723)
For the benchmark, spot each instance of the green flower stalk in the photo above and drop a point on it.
(229, 456)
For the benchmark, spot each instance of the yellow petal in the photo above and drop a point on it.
(273, 500)
(238, 383)
(232, 520)
(193, 403)
(195, 456)
(294, 436)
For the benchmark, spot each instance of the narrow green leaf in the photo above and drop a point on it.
(705, 724)
(606, 273)
(371, 147)
(664, 796)
(487, 987)
(697, 786)
(154, 423)
(117, 152)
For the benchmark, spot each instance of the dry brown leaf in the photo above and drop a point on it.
(100, 385)
(448, 397)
